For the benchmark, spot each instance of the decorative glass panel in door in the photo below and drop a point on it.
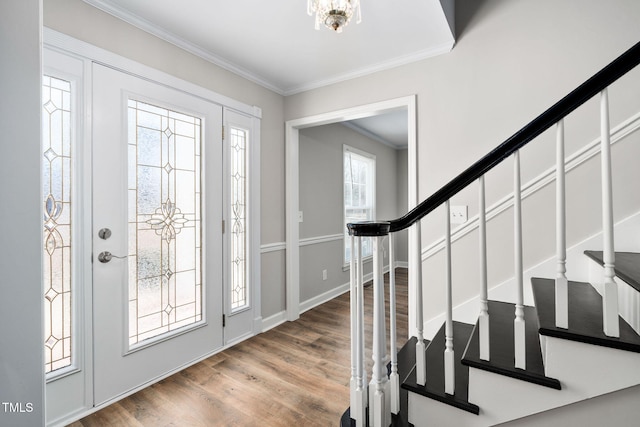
(57, 205)
(158, 189)
(239, 143)
(165, 283)
(238, 155)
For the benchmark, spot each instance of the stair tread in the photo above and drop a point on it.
(434, 387)
(627, 266)
(585, 316)
(501, 346)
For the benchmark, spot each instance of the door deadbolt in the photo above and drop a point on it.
(104, 233)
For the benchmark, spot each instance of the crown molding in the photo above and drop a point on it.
(196, 50)
(441, 49)
(373, 136)
(192, 48)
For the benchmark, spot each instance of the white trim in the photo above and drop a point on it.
(320, 239)
(401, 264)
(183, 44)
(273, 247)
(207, 55)
(62, 42)
(335, 292)
(324, 297)
(274, 320)
(381, 66)
(292, 128)
(281, 317)
(307, 241)
(579, 157)
(373, 136)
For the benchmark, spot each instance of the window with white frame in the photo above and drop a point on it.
(359, 194)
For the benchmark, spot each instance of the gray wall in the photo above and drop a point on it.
(321, 189)
(512, 60)
(21, 321)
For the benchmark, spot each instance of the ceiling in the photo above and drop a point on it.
(388, 128)
(274, 43)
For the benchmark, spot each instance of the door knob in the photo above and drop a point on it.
(106, 256)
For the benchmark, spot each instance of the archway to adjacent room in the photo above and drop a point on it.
(292, 128)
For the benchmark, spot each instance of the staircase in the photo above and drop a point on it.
(576, 342)
(578, 359)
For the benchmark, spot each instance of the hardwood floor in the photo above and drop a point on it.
(296, 374)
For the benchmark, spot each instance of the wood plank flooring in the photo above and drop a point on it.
(296, 374)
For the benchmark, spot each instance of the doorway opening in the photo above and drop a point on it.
(292, 171)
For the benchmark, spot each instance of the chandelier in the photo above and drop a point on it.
(334, 14)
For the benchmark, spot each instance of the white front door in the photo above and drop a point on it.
(157, 230)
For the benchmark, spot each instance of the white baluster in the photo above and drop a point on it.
(449, 364)
(610, 297)
(483, 318)
(421, 357)
(562, 296)
(361, 397)
(379, 393)
(394, 378)
(518, 323)
(354, 326)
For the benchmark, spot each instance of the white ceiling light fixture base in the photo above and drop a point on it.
(334, 14)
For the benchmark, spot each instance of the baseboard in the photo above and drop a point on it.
(337, 291)
(323, 297)
(274, 320)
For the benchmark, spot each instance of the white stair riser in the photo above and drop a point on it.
(614, 409)
(426, 412)
(586, 370)
(628, 297)
(502, 398)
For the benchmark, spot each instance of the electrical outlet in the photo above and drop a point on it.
(458, 214)
(324, 274)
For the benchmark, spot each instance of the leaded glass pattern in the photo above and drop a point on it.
(56, 208)
(238, 218)
(165, 242)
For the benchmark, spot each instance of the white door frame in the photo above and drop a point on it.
(292, 145)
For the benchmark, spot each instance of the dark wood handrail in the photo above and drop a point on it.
(594, 85)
